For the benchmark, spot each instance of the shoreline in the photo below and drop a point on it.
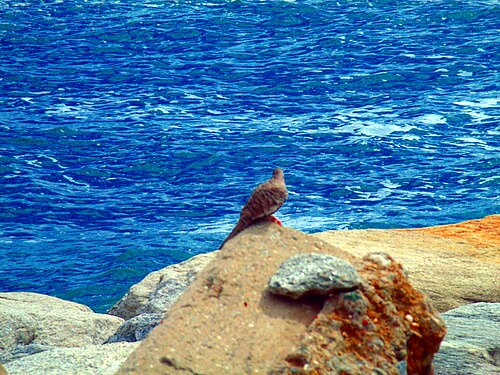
(471, 248)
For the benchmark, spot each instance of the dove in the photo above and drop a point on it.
(265, 200)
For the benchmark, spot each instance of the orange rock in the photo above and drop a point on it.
(454, 264)
(483, 232)
(371, 329)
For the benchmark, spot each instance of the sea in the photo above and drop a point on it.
(133, 131)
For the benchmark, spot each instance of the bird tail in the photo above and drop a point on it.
(240, 226)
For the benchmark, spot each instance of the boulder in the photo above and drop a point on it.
(160, 289)
(145, 303)
(472, 345)
(31, 322)
(85, 360)
(227, 322)
(434, 257)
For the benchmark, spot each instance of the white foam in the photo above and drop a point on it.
(437, 57)
(370, 128)
(489, 179)
(389, 184)
(477, 116)
(471, 140)
(73, 181)
(483, 103)
(432, 119)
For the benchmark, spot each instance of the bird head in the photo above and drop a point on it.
(278, 174)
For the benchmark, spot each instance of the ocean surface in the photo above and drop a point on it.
(132, 132)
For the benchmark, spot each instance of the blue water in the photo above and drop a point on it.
(132, 132)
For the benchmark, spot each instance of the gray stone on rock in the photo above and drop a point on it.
(31, 322)
(160, 289)
(85, 360)
(136, 328)
(313, 274)
(472, 345)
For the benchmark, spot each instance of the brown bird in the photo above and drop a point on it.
(265, 200)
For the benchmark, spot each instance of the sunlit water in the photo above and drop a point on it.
(132, 132)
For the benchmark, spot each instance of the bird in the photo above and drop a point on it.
(264, 201)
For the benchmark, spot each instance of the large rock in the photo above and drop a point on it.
(85, 360)
(31, 322)
(472, 345)
(160, 289)
(146, 303)
(226, 321)
(453, 264)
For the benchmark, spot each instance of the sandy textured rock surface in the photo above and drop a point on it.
(226, 322)
(85, 360)
(219, 337)
(454, 264)
(30, 319)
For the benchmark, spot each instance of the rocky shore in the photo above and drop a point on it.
(218, 314)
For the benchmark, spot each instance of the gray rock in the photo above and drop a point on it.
(159, 290)
(313, 274)
(136, 328)
(147, 302)
(472, 345)
(85, 360)
(31, 322)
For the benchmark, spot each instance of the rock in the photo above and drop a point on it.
(472, 345)
(136, 328)
(313, 274)
(146, 303)
(483, 234)
(31, 322)
(85, 360)
(160, 289)
(368, 331)
(434, 256)
(226, 321)
(2, 370)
